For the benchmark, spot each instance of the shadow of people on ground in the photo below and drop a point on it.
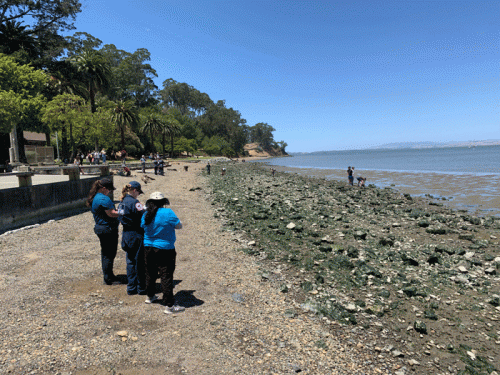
(187, 299)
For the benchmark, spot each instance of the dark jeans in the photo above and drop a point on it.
(135, 269)
(109, 245)
(163, 262)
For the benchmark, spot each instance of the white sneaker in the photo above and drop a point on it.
(174, 309)
(151, 299)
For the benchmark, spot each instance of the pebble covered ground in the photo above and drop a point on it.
(405, 276)
(59, 318)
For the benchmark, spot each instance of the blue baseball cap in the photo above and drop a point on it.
(137, 186)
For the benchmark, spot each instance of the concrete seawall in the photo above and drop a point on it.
(21, 206)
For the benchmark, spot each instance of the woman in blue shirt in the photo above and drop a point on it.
(106, 225)
(159, 225)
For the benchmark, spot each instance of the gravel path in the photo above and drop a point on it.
(58, 317)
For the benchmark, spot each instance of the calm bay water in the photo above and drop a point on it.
(455, 160)
(467, 178)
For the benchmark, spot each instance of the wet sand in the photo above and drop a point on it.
(479, 195)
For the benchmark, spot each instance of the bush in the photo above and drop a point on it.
(131, 150)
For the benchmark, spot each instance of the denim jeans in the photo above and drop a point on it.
(163, 262)
(109, 245)
(136, 278)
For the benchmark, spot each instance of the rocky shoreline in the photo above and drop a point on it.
(417, 280)
(479, 195)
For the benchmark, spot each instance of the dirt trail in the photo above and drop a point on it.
(59, 318)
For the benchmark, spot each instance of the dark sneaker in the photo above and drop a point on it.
(112, 283)
(174, 309)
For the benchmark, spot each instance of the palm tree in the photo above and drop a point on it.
(65, 79)
(152, 125)
(95, 73)
(171, 128)
(15, 37)
(124, 115)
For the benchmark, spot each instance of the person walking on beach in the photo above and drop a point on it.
(208, 168)
(350, 177)
(159, 225)
(143, 163)
(130, 212)
(106, 225)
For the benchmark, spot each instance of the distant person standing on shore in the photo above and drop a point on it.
(160, 167)
(159, 225)
(143, 163)
(123, 156)
(208, 168)
(106, 225)
(155, 163)
(350, 177)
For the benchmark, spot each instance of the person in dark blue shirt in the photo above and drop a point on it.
(106, 225)
(130, 212)
(156, 166)
(160, 167)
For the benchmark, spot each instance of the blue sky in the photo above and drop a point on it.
(326, 75)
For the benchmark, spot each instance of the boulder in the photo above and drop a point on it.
(420, 327)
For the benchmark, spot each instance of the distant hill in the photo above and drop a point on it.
(255, 150)
(494, 142)
(413, 145)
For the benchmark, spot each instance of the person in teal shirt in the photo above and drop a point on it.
(159, 224)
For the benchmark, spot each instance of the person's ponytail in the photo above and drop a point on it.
(93, 191)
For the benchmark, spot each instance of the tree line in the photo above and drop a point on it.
(97, 96)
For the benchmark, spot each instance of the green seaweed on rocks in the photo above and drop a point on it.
(368, 256)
